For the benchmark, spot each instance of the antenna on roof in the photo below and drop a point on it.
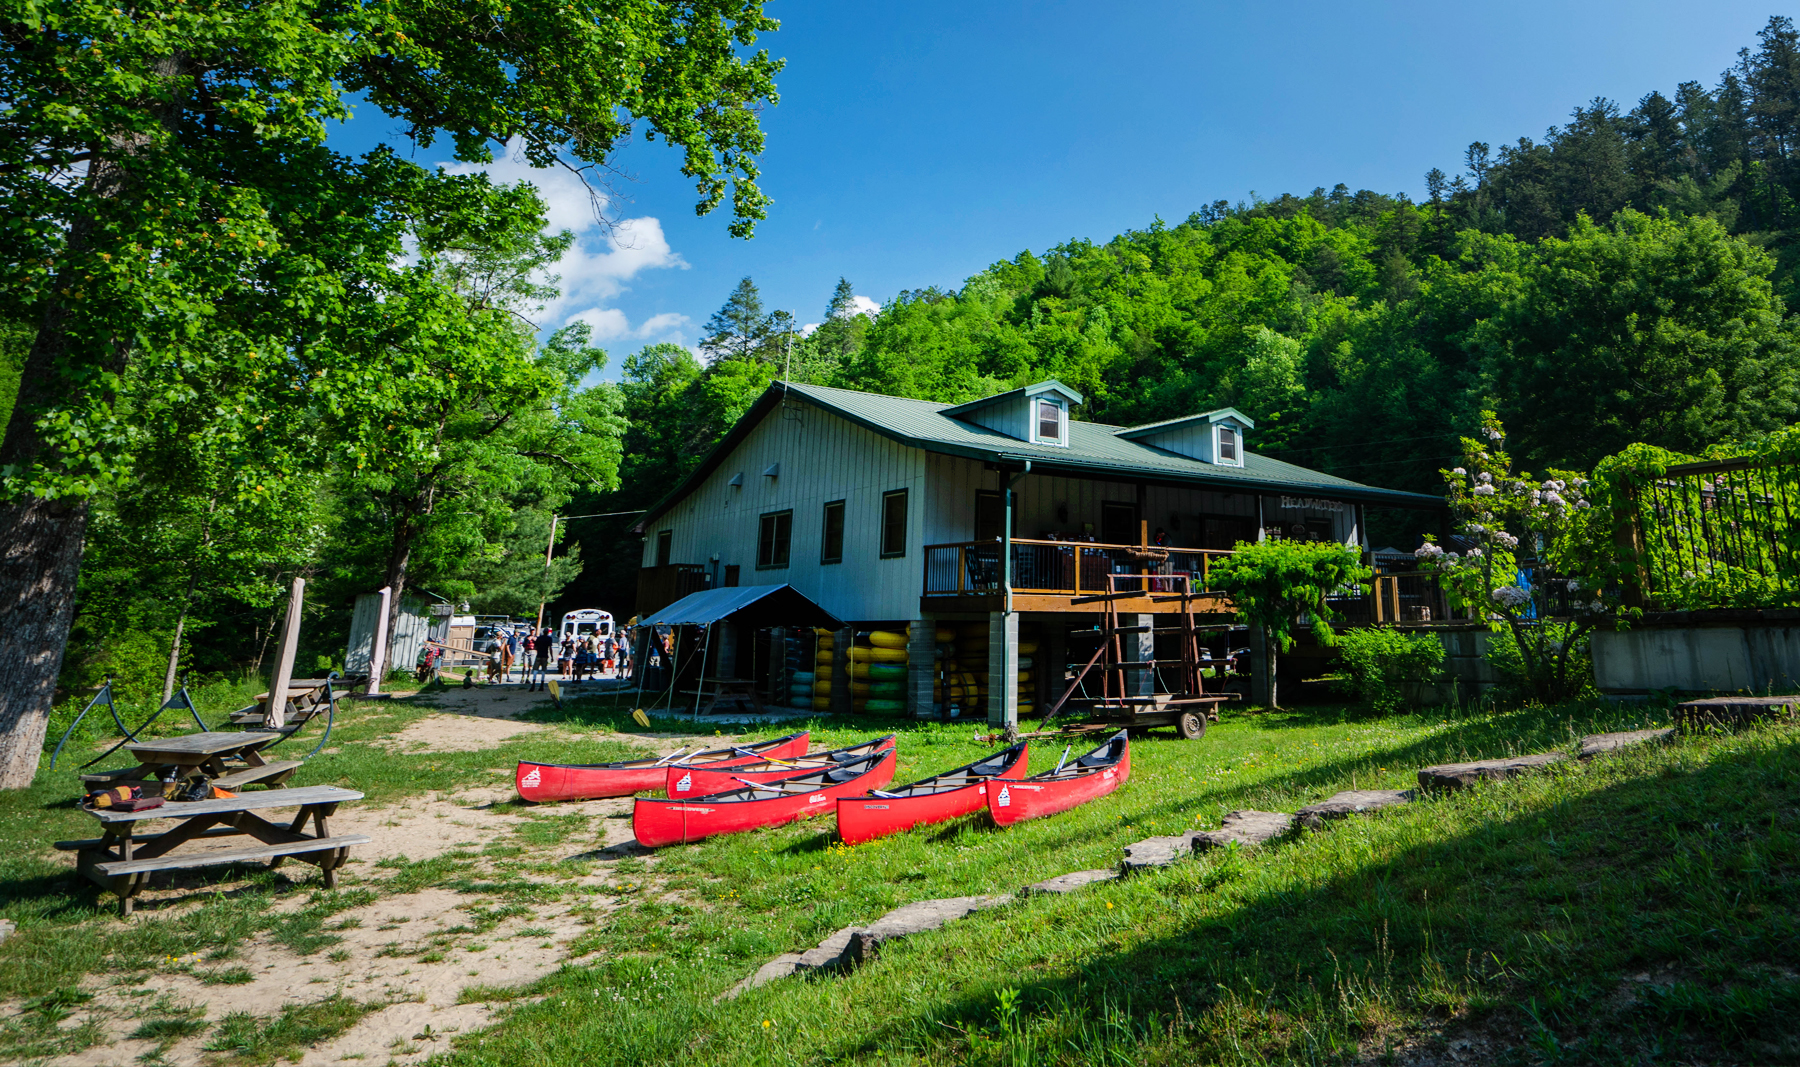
(787, 375)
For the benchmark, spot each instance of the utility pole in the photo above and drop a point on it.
(550, 549)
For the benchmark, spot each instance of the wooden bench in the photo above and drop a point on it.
(123, 862)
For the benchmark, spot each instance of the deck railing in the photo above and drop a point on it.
(1064, 568)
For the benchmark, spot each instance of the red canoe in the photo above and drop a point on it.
(1093, 775)
(672, 822)
(935, 799)
(540, 782)
(720, 778)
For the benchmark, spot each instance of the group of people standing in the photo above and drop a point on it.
(570, 657)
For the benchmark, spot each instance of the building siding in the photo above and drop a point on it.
(823, 458)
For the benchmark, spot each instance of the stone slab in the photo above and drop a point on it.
(917, 918)
(1463, 775)
(1351, 802)
(1600, 744)
(1068, 883)
(1155, 852)
(779, 967)
(1245, 828)
(1734, 710)
(828, 955)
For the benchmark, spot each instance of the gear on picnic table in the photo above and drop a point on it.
(121, 798)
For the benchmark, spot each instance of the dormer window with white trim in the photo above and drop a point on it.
(1052, 419)
(1230, 446)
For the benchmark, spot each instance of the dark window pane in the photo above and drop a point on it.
(663, 537)
(831, 545)
(1049, 420)
(1228, 449)
(772, 537)
(893, 523)
(1118, 523)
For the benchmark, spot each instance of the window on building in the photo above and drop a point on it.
(893, 523)
(831, 544)
(1228, 446)
(663, 539)
(990, 516)
(772, 539)
(1050, 416)
(731, 575)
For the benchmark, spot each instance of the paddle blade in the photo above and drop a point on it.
(640, 718)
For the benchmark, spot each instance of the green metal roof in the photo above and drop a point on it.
(1215, 415)
(1094, 450)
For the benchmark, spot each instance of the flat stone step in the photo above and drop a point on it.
(1155, 852)
(1245, 828)
(1734, 711)
(829, 953)
(916, 918)
(779, 967)
(1351, 802)
(1600, 744)
(1463, 775)
(1069, 883)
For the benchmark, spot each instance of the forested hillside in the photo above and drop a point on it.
(1627, 277)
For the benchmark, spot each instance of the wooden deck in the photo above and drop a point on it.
(1070, 576)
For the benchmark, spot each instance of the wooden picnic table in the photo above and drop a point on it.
(121, 860)
(738, 691)
(175, 759)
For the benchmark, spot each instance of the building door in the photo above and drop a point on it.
(1118, 523)
(990, 515)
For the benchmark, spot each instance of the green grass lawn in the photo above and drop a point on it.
(1637, 909)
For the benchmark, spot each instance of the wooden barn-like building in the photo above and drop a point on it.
(889, 512)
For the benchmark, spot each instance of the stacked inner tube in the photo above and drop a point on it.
(964, 649)
(878, 671)
(823, 644)
(799, 672)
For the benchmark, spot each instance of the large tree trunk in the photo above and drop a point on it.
(39, 566)
(42, 537)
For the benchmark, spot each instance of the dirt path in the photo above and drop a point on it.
(413, 953)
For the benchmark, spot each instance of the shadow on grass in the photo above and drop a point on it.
(1640, 919)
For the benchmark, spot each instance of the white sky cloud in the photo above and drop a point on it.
(602, 260)
(611, 324)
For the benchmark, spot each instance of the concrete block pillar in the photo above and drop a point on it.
(1052, 662)
(921, 668)
(1138, 648)
(1003, 670)
(840, 671)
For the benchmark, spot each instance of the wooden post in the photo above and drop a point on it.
(378, 650)
(1628, 535)
(275, 715)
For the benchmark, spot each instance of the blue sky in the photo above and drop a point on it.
(915, 143)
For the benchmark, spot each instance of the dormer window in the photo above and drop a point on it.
(1228, 451)
(1050, 416)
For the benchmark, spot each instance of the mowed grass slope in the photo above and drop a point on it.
(1636, 909)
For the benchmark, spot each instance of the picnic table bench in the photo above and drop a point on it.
(227, 760)
(121, 860)
(736, 691)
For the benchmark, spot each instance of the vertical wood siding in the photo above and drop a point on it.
(823, 458)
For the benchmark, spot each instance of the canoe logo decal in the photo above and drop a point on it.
(981, 790)
(686, 783)
(875, 807)
(532, 777)
(1021, 785)
(1005, 797)
(816, 798)
(684, 807)
(1109, 773)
